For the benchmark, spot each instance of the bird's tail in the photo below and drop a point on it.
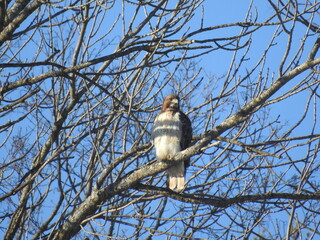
(176, 176)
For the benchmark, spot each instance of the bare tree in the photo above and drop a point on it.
(81, 82)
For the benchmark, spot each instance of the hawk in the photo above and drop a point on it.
(172, 133)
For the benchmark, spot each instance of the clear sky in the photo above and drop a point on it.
(217, 63)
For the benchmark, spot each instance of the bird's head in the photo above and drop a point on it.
(171, 103)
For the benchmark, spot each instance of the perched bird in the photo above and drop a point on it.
(172, 133)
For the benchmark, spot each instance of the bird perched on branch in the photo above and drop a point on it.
(172, 133)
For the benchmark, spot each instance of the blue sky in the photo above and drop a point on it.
(217, 62)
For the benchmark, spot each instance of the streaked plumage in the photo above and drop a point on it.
(171, 134)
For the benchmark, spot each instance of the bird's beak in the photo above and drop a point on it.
(174, 103)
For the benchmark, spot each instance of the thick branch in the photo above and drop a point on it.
(64, 72)
(7, 32)
(225, 202)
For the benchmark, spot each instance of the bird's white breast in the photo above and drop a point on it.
(167, 135)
